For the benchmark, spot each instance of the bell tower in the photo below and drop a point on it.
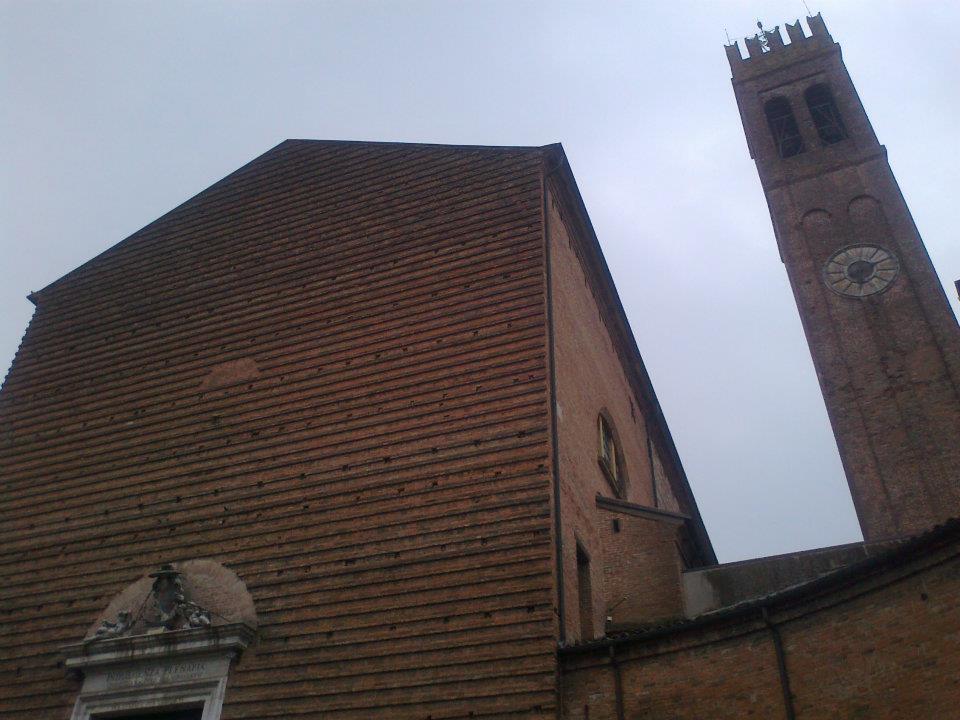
(884, 341)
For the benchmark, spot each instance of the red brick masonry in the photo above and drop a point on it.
(879, 639)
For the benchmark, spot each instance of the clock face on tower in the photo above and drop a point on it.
(860, 270)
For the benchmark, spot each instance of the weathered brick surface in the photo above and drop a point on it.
(722, 677)
(327, 372)
(889, 363)
(330, 372)
(893, 653)
(641, 567)
(885, 645)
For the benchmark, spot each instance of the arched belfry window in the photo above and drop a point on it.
(825, 115)
(783, 125)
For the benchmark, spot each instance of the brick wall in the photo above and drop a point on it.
(884, 645)
(590, 379)
(641, 565)
(890, 654)
(328, 373)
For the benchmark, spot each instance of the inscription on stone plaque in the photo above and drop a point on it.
(168, 674)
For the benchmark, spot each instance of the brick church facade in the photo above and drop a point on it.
(362, 431)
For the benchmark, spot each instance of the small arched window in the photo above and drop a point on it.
(825, 115)
(783, 125)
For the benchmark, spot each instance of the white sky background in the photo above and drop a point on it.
(112, 113)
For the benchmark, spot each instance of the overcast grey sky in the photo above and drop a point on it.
(112, 113)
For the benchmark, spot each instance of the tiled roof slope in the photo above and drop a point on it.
(327, 372)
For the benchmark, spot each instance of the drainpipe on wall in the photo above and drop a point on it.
(781, 665)
(554, 432)
(617, 683)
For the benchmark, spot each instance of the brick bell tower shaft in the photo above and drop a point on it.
(884, 341)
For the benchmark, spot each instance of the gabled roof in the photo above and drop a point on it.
(275, 176)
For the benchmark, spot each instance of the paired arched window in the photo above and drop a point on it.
(823, 111)
(825, 115)
(783, 125)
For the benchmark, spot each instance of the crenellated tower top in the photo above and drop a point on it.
(766, 50)
(799, 107)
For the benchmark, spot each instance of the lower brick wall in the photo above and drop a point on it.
(890, 654)
(884, 647)
(641, 567)
(706, 677)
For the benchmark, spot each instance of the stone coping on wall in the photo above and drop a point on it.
(628, 508)
(712, 588)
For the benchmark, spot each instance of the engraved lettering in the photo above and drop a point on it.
(156, 674)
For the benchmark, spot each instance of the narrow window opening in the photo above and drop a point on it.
(825, 115)
(609, 457)
(653, 473)
(584, 593)
(616, 525)
(783, 125)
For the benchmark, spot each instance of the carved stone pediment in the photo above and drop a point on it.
(177, 596)
(166, 642)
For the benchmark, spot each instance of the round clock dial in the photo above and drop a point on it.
(861, 270)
